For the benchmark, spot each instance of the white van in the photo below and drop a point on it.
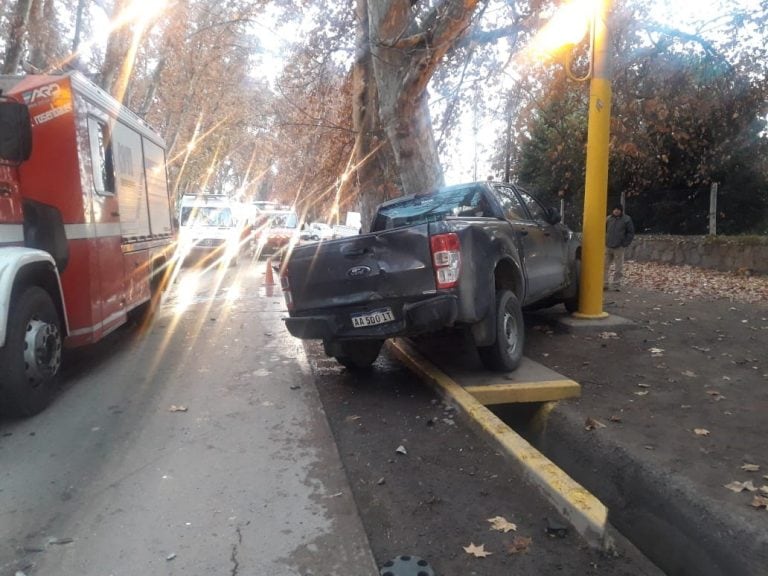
(212, 226)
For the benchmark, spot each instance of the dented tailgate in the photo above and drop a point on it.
(362, 269)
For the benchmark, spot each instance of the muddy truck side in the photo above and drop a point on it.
(469, 256)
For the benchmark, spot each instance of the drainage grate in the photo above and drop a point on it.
(407, 566)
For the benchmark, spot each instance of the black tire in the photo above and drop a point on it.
(29, 374)
(357, 354)
(571, 302)
(505, 354)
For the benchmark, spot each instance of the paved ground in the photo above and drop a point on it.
(111, 481)
(436, 498)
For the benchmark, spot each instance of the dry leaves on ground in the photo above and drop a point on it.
(701, 431)
(700, 283)
(520, 545)
(476, 551)
(750, 467)
(174, 408)
(501, 524)
(760, 502)
(592, 424)
(737, 486)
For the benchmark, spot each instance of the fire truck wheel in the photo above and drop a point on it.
(32, 354)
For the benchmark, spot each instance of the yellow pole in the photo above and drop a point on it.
(596, 185)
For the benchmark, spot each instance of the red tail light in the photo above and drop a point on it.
(446, 258)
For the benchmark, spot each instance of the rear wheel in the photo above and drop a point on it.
(31, 356)
(355, 354)
(505, 354)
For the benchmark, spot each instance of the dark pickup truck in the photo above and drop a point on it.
(466, 256)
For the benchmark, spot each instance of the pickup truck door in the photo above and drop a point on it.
(540, 243)
(553, 248)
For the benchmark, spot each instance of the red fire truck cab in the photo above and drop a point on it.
(85, 225)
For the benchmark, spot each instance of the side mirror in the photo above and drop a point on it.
(15, 132)
(552, 215)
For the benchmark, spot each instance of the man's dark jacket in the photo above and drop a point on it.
(619, 231)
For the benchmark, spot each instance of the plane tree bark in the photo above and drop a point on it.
(15, 44)
(397, 56)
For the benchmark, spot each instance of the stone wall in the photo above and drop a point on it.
(726, 253)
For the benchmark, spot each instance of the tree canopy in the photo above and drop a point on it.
(336, 107)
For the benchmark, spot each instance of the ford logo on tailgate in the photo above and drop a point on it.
(358, 271)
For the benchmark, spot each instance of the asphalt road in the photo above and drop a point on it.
(255, 476)
(243, 479)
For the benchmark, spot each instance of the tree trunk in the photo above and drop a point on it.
(117, 46)
(18, 30)
(372, 152)
(405, 56)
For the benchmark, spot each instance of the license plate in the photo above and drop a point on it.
(373, 318)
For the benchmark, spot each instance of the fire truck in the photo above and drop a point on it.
(86, 230)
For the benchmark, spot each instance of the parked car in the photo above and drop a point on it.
(212, 226)
(316, 231)
(276, 231)
(467, 256)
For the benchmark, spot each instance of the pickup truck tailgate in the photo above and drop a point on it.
(362, 269)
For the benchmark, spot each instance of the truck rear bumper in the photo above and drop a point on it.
(411, 319)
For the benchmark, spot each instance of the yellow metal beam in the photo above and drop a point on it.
(525, 392)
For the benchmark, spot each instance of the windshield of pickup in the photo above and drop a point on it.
(420, 209)
(207, 216)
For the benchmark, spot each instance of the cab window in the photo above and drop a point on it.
(536, 210)
(101, 157)
(511, 204)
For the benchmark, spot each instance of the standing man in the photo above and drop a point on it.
(619, 232)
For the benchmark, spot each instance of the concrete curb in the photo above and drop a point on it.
(587, 514)
(677, 527)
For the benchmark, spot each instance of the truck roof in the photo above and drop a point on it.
(21, 86)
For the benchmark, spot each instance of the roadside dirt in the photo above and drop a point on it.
(687, 384)
(436, 499)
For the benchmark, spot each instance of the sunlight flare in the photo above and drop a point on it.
(567, 27)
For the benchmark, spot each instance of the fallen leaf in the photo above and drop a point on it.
(716, 395)
(607, 335)
(592, 424)
(689, 373)
(750, 467)
(401, 450)
(615, 418)
(641, 393)
(701, 431)
(656, 352)
(352, 418)
(764, 489)
(643, 385)
(760, 502)
(520, 545)
(175, 408)
(737, 486)
(476, 551)
(501, 524)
